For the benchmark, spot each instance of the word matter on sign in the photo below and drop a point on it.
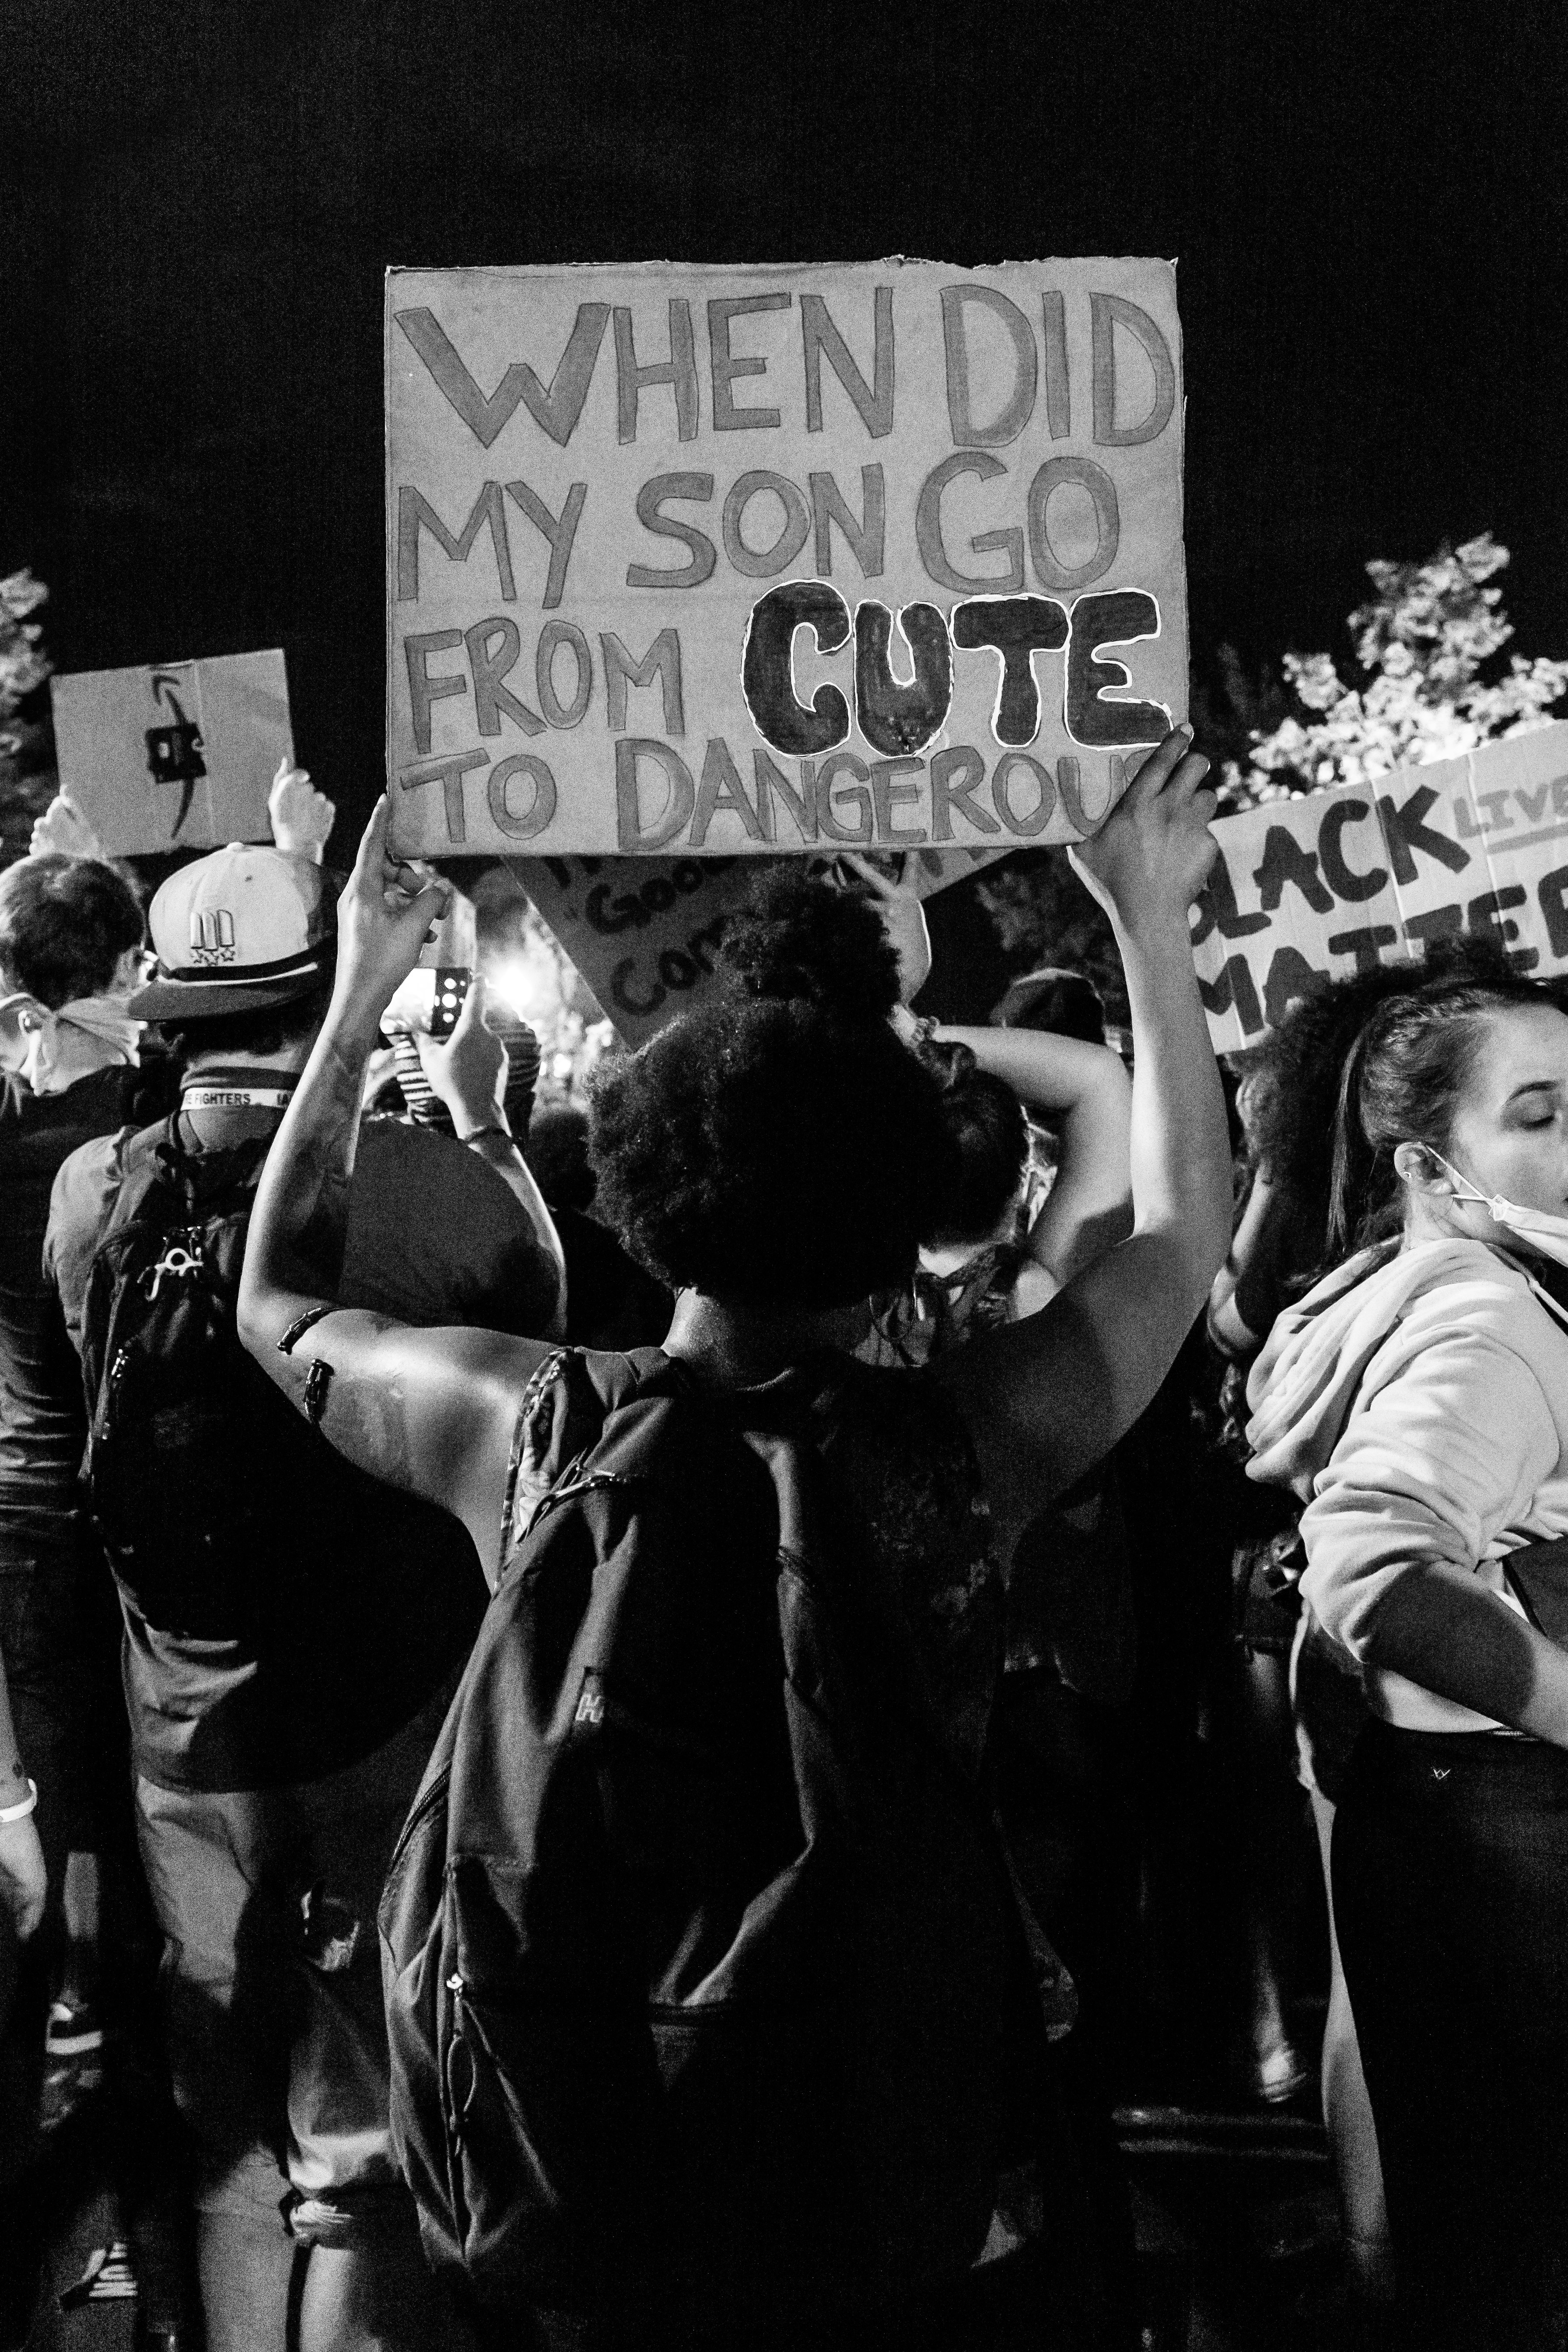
(1309, 890)
(944, 610)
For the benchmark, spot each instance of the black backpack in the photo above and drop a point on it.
(697, 1947)
(191, 1448)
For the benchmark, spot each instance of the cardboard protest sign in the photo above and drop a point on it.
(1337, 881)
(643, 931)
(710, 560)
(178, 756)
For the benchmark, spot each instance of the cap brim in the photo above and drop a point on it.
(178, 1001)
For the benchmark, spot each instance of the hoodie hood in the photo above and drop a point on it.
(1302, 1386)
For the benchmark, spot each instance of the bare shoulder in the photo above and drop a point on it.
(1035, 1287)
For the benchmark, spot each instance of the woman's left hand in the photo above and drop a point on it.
(1151, 855)
(385, 910)
(904, 921)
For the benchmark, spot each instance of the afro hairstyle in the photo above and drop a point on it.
(779, 1144)
(799, 938)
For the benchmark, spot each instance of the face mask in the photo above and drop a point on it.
(50, 1051)
(1537, 1231)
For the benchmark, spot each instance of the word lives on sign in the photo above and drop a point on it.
(709, 561)
(1314, 888)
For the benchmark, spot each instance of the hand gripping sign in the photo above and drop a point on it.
(707, 561)
(1314, 888)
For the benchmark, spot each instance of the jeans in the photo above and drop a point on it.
(1450, 1879)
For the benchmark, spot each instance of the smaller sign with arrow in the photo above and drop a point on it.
(176, 756)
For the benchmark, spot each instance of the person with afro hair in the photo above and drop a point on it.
(776, 1156)
(781, 1148)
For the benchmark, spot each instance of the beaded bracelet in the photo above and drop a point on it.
(10, 1813)
(301, 1324)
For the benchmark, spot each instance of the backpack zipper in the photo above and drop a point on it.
(451, 2120)
(455, 1986)
(117, 1372)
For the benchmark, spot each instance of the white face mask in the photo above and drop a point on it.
(1536, 1230)
(50, 1051)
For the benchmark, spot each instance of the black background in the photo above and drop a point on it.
(1369, 210)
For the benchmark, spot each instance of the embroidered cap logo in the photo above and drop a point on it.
(212, 936)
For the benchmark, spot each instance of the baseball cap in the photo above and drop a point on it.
(238, 932)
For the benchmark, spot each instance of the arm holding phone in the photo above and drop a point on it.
(468, 1072)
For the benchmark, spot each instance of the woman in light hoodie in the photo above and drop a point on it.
(1417, 1402)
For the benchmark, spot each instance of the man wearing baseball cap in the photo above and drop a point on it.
(293, 1629)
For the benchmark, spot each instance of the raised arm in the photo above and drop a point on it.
(1228, 1328)
(1048, 1398)
(467, 1071)
(431, 1411)
(1086, 1092)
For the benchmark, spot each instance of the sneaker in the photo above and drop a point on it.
(73, 2062)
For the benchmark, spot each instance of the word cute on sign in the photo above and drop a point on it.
(1310, 890)
(935, 596)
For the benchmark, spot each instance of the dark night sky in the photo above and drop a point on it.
(199, 199)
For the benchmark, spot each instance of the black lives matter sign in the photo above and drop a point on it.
(1316, 887)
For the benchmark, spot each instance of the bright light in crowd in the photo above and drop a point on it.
(529, 983)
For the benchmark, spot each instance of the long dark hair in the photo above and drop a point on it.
(1403, 1077)
(989, 1130)
(1293, 1082)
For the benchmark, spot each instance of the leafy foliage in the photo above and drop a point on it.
(27, 739)
(1427, 644)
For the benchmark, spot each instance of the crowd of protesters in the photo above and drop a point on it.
(588, 1824)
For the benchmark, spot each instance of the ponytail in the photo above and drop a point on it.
(1355, 1161)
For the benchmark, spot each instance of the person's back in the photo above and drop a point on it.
(284, 1614)
(293, 1628)
(775, 1159)
(732, 1748)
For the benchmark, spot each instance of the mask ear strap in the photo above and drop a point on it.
(1471, 1192)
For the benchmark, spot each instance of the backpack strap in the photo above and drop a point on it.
(157, 1156)
(526, 1443)
(139, 1168)
(560, 1416)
